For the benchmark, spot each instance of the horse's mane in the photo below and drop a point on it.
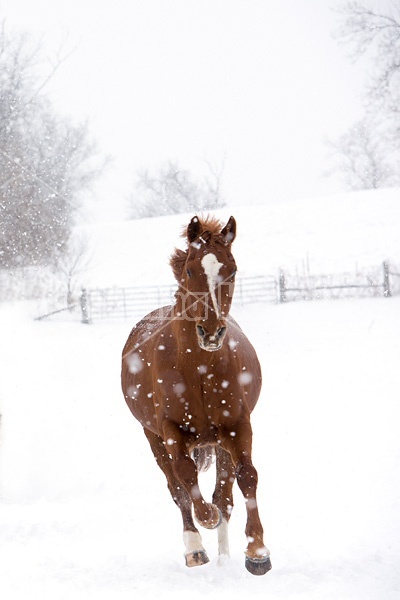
(209, 224)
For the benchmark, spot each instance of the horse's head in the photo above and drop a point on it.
(206, 276)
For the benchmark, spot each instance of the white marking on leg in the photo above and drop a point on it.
(211, 268)
(223, 538)
(192, 541)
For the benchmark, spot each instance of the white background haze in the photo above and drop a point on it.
(260, 84)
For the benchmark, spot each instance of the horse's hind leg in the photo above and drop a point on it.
(223, 497)
(194, 551)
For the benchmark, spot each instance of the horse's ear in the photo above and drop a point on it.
(193, 230)
(229, 231)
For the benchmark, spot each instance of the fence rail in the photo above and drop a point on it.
(371, 282)
(134, 302)
(130, 302)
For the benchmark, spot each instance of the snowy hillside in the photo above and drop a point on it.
(85, 513)
(330, 234)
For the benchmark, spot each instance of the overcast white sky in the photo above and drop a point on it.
(260, 82)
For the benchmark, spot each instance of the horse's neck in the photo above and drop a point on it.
(185, 334)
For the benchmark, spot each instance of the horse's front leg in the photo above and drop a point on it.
(185, 470)
(257, 554)
(240, 445)
(195, 553)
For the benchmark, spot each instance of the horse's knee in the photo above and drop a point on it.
(180, 496)
(185, 470)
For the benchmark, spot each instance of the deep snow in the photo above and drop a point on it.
(85, 512)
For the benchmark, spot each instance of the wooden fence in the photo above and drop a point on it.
(134, 302)
(381, 281)
(393, 274)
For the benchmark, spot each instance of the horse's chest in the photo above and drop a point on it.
(202, 407)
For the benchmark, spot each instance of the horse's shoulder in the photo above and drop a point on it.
(233, 324)
(243, 349)
(146, 328)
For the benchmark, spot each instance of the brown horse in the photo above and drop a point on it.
(192, 378)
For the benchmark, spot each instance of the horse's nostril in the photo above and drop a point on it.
(200, 331)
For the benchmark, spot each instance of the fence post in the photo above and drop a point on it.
(241, 291)
(282, 286)
(386, 280)
(85, 307)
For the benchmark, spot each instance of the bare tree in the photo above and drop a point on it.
(361, 157)
(171, 189)
(45, 161)
(71, 265)
(371, 148)
(213, 184)
(371, 26)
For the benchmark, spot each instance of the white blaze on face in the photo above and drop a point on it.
(211, 268)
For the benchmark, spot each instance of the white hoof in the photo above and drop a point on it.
(195, 553)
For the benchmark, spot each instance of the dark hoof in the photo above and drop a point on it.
(195, 559)
(258, 566)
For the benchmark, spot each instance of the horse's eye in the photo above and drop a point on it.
(189, 272)
(234, 273)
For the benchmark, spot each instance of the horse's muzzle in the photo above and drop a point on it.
(210, 342)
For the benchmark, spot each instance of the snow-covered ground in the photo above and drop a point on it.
(85, 512)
